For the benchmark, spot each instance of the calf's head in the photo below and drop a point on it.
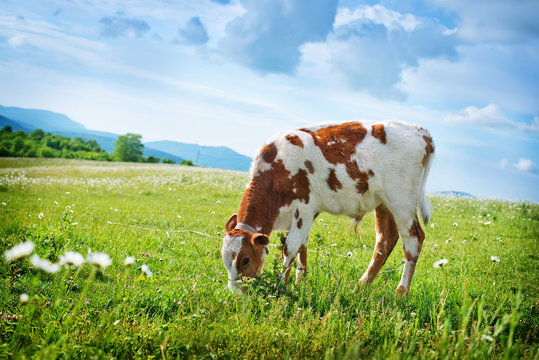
(243, 252)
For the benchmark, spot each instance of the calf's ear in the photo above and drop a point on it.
(231, 223)
(260, 239)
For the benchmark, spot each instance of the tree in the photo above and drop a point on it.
(187, 162)
(167, 161)
(152, 159)
(128, 147)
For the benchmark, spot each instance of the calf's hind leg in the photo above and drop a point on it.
(386, 238)
(412, 239)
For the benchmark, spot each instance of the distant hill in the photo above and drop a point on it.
(41, 119)
(210, 156)
(456, 193)
(15, 126)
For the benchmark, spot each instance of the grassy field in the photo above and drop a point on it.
(171, 218)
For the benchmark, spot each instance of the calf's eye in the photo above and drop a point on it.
(245, 261)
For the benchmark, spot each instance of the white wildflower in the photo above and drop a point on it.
(40, 216)
(4, 204)
(440, 263)
(71, 258)
(75, 223)
(145, 269)
(130, 260)
(100, 259)
(495, 258)
(432, 226)
(487, 337)
(18, 251)
(455, 224)
(413, 314)
(56, 202)
(487, 223)
(43, 264)
(349, 254)
(218, 202)
(435, 246)
(23, 298)
(448, 240)
(67, 192)
(167, 234)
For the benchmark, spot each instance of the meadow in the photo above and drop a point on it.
(167, 221)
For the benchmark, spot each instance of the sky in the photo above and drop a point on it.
(234, 72)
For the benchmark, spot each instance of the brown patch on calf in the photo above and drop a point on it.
(269, 153)
(333, 182)
(294, 140)
(300, 223)
(303, 257)
(338, 145)
(338, 142)
(379, 133)
(270, 191)
(252, 247)
(429, 149)
(309, 166)
(389, 234)
(362, 184)
(417, 232)
(296, 214)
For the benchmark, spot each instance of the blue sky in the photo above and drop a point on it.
(235, 72)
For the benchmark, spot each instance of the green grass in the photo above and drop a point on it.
(470, 308)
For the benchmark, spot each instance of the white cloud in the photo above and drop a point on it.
(17, 40)
(525, 165)
(494, 20)
(371, 46)
(378, 15)
(503, 163)
(267, 37)
(489, 115)
(533, 127)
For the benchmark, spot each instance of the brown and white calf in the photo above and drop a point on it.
(347, 168)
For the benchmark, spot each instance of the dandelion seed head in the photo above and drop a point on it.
(130, 260)
(43, 264)
(100, 259)
(440, 263)
(23, 298)
(71, 258)
(146, 270)
(18, 251)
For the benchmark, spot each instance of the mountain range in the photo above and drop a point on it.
(209, 156)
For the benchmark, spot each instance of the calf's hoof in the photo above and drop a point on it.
(402, 291)
(299, 276)
(362, 283)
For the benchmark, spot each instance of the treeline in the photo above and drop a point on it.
(46, 145)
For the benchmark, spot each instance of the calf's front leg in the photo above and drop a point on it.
(296, 242)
